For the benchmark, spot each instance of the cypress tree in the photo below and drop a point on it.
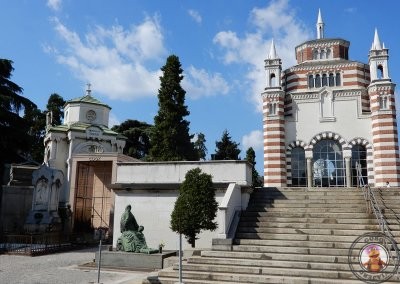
(226, 148)
(171, 140)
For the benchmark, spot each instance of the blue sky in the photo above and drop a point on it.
(119, 47)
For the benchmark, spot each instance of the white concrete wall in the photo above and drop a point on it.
(152, 209)
(349, 124)
(174, 172)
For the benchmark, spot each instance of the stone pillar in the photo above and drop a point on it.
(348, 171)
(309, 156)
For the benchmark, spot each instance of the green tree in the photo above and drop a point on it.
(226, 148)
(137, 132)
(55, 105)
(170, 140)
(14, 129)
(200, 146)
(37, 131)
(195, 208)
(251, 158)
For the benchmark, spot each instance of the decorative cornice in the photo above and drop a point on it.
(322, 66)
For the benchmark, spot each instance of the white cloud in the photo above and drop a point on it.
(253, 139)
(114, 60)
(113, 120)
(195, 16)
(198, 83)
(278, 21)
(54, 4)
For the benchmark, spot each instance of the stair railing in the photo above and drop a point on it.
(372, 203)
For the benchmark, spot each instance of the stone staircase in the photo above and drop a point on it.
(290, 235)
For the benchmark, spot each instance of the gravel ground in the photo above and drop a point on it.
(63, 267)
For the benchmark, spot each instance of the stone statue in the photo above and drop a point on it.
(132, 238)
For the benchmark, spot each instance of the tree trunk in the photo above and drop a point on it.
(192, 241)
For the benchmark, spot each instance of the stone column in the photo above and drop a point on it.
(347, 160)
(309, 156)
(348, 171)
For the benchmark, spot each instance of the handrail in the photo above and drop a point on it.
(372, 203)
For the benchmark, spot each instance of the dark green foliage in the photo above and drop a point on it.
(170, 140)
(14, 139)
(196, 207)
(55, 105)
(200, 146)
(226, 148)
(37, 132)
(138, 133)
(251, 158)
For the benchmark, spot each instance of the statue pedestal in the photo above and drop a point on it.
(132, 260)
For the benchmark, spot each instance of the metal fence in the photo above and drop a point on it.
(34, 244)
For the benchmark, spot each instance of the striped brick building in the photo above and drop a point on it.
(327, 114)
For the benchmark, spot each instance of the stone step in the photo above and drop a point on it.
(304, 204)
(309, 201)
(298, 272)
(293, 243)
(294, 251)
(306, 231)
(300, 237)
(308, 214)
(214, 277)
(310, 196)
(275, 256)
(306, 220)
(308, 225)
(307, 210)
(268, 263)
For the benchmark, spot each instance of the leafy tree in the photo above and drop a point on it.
(196, 207)
(200, 146)
(226, 148)
(37, 132)
(170, 140)
(55, 105)
(137, 132)
(14, 138)
(251, 158)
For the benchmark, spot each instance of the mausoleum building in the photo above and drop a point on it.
(86, 150)
(327, 114)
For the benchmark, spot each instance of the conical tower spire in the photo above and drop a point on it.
(320, 26)
(376, 45)
(272, 51)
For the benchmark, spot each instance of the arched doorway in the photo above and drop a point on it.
(359, 155)
(328, 164)
(298, 167)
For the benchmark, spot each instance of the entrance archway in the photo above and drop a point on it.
(328, 164)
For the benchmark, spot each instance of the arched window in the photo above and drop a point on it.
(323, 54)
(383, 102)
(337, 79)
(324, 80)
(318, 81)
(331, 80)
(328, 164)
(310, 81)
(272, 80)
(359, 156)
(380, 72)
(272, 108)
(328, 53)
(298, 167)
(315, 54)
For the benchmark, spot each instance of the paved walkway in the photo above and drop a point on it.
(63, 267)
